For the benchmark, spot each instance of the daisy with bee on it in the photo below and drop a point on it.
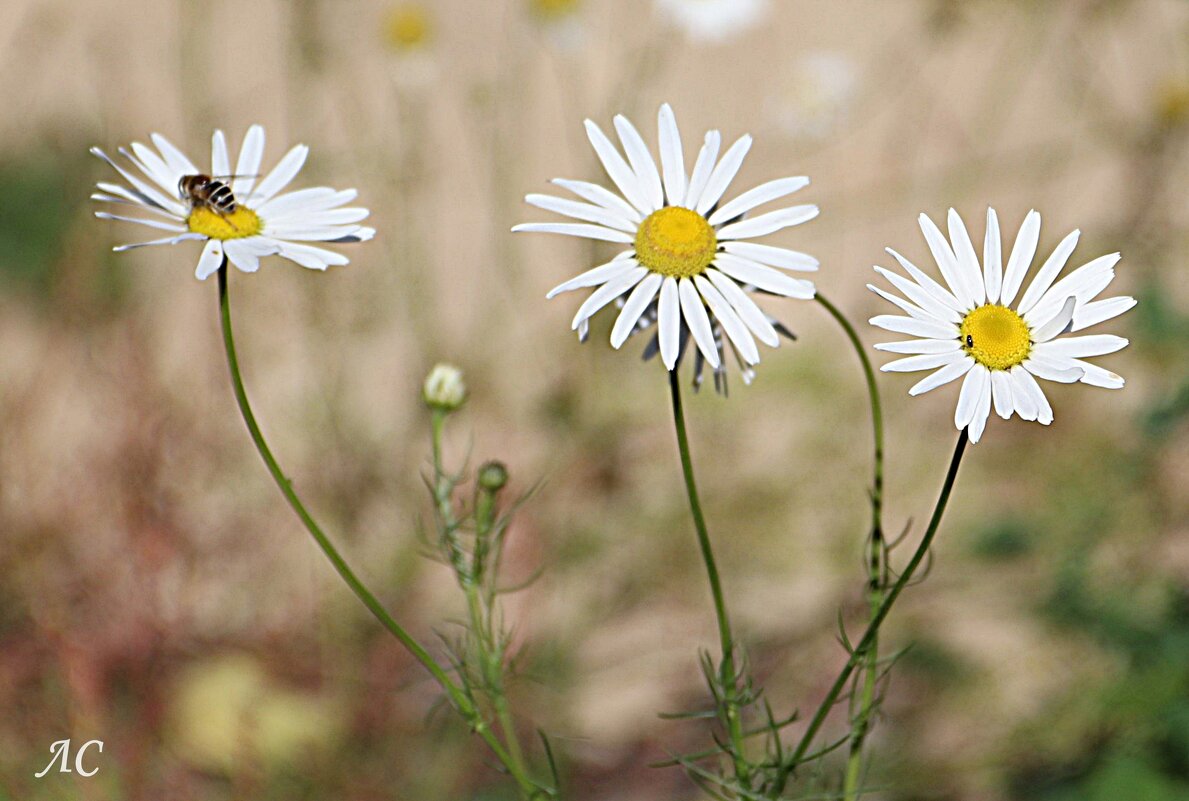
(240, 219)
(981, 328)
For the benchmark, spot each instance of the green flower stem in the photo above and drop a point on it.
(727, 677)
(876, 564)
(489, 656)
(457, 696)
(865, 644)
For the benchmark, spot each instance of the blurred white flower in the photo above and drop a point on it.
(713, 21)
(444, 388)
(238, 218)
(972, 328)
(409, 33)
(813, 99)
(689, 265)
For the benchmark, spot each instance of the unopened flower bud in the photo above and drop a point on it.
(444, 389)
(493, 476)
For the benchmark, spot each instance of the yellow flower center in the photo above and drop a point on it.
(552, 9)
(409, 27)
(676, 242)
(243, 222)
(996, 337)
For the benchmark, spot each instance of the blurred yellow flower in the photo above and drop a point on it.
(553, 9)
(409, 27)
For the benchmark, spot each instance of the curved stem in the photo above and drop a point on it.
(876, 563)
(727, 676)
(869, 636)
(457, 696)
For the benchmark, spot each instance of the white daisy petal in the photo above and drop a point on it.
(773, 256)
(908, 308)
(1057, 324)
(1021, 257)
(1001, 394)
(220, 161)
(1085, 283)
(244, 258)
(641, 161)
(982, 411)
(125, 195)
(913, 327)
(637, 302)
(920, 346)
(694, 312)
(151, 194)
(210, 261)
(279, 177)
(747, 309)
(966, 259)
(617, 169)
(582, 211)
(607, 293)
(156, 168)
(764, 193)
(169, 240)
(577, 229)
(749, 272)
(668, 324)
(176, 159)
(672, 156)
(939, 293)
(1099, 377)
(247, 168)
(1044, 412)
(593, 277)
(1099, 311)
(768, 223)
(1022, 395)
(309, 256)
(723, 174)
(993, 258)
(920, 296)
(943, 376)
(947, 262)
(1081, 347)
(601, 197)
(1052, 367)
(163, 226)
(973, 385)
(343, 216)
(924, 361)
(326, 233)
(1048, 272)
(736, 330)
(302, 201)
(703, 167)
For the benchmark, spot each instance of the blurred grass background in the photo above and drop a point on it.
(155, 593)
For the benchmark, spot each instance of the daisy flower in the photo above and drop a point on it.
(259, 221)
(979, 328)
(713, 21)
(688, 262)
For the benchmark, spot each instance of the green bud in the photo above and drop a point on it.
(444, 388)
(493, 476)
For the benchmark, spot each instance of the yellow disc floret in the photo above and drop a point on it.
(241, 223)
(996, 337)
(676, 242)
